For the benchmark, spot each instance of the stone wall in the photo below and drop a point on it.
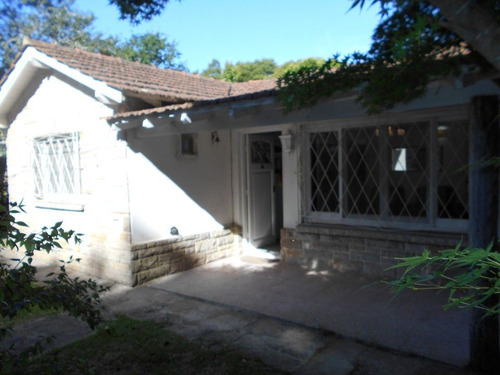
(155, 259)
(366, 250)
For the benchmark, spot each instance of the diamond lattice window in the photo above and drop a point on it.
(394, 173)
(56, 165)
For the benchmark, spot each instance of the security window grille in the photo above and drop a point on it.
(56, 165)
(393, 173)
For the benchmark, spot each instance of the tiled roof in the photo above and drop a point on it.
(132, 77)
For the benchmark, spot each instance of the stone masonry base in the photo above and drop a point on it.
(154, 259)
(366, 250)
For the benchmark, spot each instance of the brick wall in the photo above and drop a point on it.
(366, 250)
(155, 259)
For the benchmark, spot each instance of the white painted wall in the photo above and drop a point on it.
(291, 199)
(57, 106)
(191, 194)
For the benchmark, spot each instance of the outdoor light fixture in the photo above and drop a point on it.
(215, 137)
(146, 123)
(286, 142)
(185, 118)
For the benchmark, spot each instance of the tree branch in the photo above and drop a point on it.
(475, 24)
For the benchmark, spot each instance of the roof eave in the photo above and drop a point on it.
(31, 62)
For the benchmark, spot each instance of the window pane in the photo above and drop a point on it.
(453, 154)
(408, 176)
(324, 172)
(361, 171)
(55, 165)
(188, 144)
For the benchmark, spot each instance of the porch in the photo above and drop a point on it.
(351, 305)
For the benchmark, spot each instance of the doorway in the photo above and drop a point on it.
(264, 193)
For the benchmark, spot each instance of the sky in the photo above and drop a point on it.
(246, 30)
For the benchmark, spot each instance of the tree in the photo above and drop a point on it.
(311, 63)
(247, 71)
(139, 10)
(152, 49)
(241, 71)
(58, 21)
(259, 69)
(476, 23)
(213, 70)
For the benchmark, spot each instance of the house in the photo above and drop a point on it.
(163, 170)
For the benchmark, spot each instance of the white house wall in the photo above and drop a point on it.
(192, 194)
(59, 107)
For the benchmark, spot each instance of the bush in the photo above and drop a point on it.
(471, 276)
(20, 290)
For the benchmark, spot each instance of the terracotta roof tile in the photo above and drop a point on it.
(144, 79)
(188, 105)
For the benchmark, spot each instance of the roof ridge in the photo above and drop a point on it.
(80, 49)
(143, 79)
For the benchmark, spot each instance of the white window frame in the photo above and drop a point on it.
(430, 223)
(52, 188)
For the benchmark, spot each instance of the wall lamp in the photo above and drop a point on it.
(286, 142)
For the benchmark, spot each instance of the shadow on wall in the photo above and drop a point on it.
(172, 193)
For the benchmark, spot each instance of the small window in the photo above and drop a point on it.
(188, 145)
(56, 170)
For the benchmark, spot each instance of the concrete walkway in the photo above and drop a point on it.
(350, 305)
(300, 321)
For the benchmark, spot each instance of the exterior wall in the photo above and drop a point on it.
(57, 107)
(158, 258)
(291, 187)
(355, 249)
(192, 194)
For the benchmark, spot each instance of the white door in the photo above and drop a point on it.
(261, 196)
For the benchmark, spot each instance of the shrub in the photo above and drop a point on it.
(20, 290)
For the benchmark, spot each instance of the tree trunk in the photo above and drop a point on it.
(484, 142)
(475, 25)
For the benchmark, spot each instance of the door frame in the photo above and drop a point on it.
(242, 144)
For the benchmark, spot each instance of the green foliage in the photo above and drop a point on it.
(247, 71)
(214, 70)
(150, 48)
(20, 289)
(139, 10)
(310, 63)
(258, 69)
(59, 21)
(470, 276)
(410, 46)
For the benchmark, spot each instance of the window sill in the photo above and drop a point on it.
(61, 206)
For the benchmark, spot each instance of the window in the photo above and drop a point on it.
(389, 175)
(56, 168)
(188, 145)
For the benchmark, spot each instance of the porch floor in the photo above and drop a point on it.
(349, 305)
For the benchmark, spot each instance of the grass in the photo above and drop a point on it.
(27, 314)
(127, 346)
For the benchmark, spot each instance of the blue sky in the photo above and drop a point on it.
(246, 30)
